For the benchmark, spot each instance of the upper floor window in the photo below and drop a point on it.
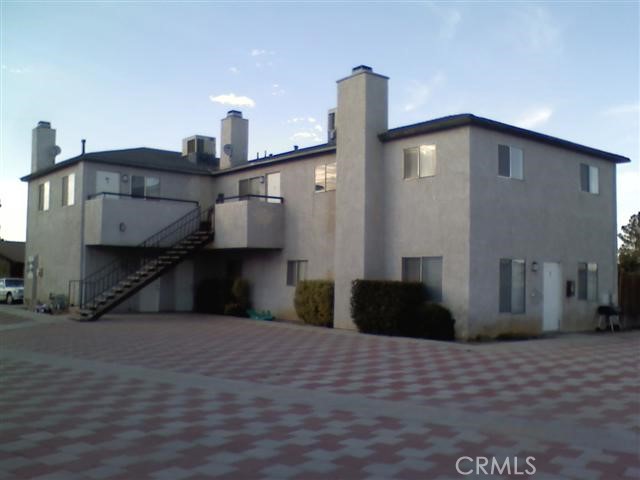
(510, 162)
(326, 177)
(251, 186)
(68, 189)
(427, 270)
(589, 178)
(145, 186)
(296, 271)
(420, 161)
(512, 285)
(588, 281)
(43, 196)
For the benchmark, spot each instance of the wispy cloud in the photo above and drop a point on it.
(257, 52)
(276, 90)
(535, 117)
(15, 70)
(233, 100)
(447, 18)
(302, 120)
(420, 92)
(536, 30)
(234, 70)
(306, 135)
(622, 109)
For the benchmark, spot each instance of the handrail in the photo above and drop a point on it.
(108, 276)
(222, 199)
(143, 197)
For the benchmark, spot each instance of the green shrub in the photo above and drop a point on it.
(385, 307)
(431, 321)
(314, 302)
(238, 303)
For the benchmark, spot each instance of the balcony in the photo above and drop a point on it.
(249, 221)
(126, 221)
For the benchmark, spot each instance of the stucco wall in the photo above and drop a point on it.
(429, 216)
(55, 236)
(542, 218)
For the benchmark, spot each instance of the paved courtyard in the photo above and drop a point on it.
(195, 396)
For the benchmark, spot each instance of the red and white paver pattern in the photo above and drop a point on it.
(188, 396)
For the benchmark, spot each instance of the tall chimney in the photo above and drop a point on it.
(234, 140)
(361, 117)
(43, 147)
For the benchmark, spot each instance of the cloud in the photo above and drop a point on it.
(310, 136)
(257, 52)
(318, 128)
(622, 109)
(536, 117)
(234, 70)
(233, 100)
(15, 70)
(276, 90)
(419, 92)
(536, 30)
(302, 120)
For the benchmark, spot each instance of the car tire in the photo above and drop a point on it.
(9, 299)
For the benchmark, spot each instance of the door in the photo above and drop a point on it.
(273, 187)
(107, 182)
(552, 296)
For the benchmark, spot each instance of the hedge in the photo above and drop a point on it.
(399, 308)
(381, 306)
(313, 302)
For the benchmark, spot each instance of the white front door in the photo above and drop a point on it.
(273, 187)
(552, 296)
(107, 182)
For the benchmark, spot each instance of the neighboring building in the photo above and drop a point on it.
(513, 230)
(11, 259)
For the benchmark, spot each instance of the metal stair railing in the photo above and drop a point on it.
(92, 286)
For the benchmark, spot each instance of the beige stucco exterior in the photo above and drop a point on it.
(466, 213)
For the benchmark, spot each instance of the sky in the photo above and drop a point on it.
(131, 74)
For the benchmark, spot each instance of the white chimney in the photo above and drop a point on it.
(234, 140)
(43, 147)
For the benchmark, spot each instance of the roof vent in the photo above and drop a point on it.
(43, 124)
(234, 113)
(361, 68)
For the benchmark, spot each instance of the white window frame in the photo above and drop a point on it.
(426, 162)
(434, 292)
(44, 194)
(296, 271)
(588, 281)
(515, 160)
(592, 175)
(68, 190)
(515, 301)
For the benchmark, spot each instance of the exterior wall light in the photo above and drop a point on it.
(534, 266)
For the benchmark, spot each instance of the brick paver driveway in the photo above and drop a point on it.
(188, 396)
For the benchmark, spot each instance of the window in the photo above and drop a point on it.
(589, 179)
(512, 286)
(296, 271)
(145, 186)
(68, 189)
(326, 177)
(588, 281)
(251, 186)
(427, 270)
(43, 196)
(510, 162)
(420, 161)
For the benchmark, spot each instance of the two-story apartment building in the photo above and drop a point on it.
(513, 230)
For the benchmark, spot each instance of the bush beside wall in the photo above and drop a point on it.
(385, 307)
(399, 308)
(212, 295)
(314, 302)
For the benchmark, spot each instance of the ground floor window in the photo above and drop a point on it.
(427, 270)
(588, 281)
(512, 285)
(296, 271)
